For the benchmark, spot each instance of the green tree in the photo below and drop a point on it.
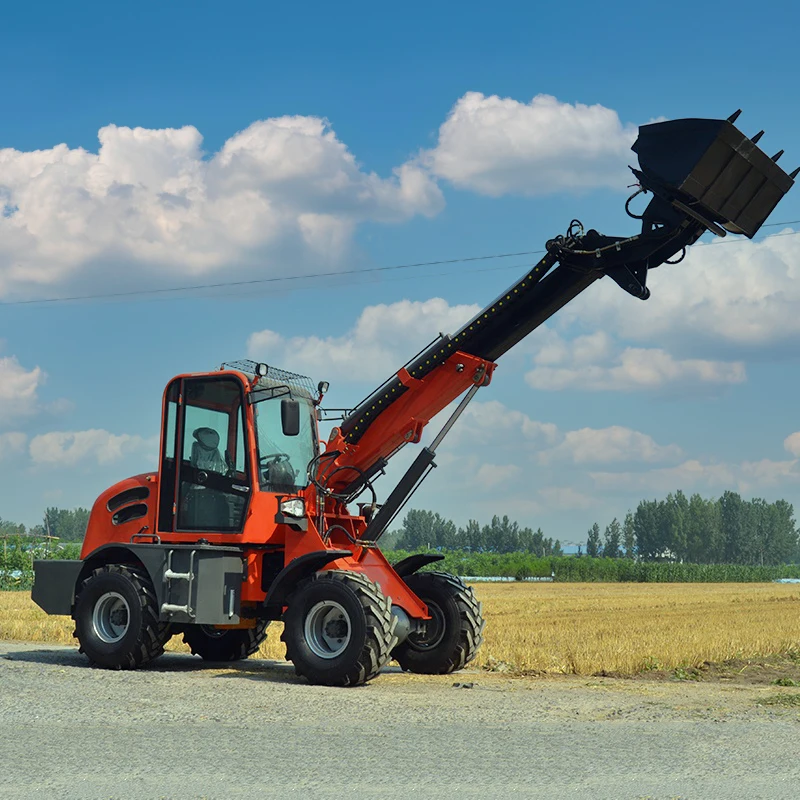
(593, 541)
(703, 534)
(67, 525)
(645, 528)
(427, 529)
(629, 536)
(613, 539)
(471, 537)
(732, 514)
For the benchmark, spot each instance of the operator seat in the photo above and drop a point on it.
(205, 451)
(206, 508)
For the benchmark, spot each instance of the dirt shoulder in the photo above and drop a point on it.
(766, 688)
(181, 728)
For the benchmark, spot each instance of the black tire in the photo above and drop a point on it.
(116, 618)
(215, 644)
(338, 629)
(455, 631)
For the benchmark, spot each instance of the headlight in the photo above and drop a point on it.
(293, 507)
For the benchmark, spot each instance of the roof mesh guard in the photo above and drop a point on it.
(274, 376)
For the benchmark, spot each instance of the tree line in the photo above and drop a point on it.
(428, 530)
(68, 525)
(728, 530)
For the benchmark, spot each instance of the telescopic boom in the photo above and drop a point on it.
(703, 175)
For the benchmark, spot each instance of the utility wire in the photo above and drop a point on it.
(317, 275)
(255, 281)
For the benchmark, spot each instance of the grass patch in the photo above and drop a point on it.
(784, 700)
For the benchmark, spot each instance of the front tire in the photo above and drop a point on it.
(339, 629)
(116, 618)
(215, 644)
(453, 634)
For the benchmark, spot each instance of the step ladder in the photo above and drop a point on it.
(169, 576)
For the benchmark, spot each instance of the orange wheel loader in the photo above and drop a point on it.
(249, 519)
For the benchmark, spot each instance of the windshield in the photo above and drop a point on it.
(283, 460)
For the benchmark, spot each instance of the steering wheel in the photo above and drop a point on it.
(277, 456)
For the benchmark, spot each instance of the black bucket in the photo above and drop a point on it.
(714, 169)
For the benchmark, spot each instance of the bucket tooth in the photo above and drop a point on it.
(757, 137)
(794, 174)
(733, 117)
(777, 155)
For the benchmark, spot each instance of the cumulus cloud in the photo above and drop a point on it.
(792, 443)
(12, 444)
(499, 457)
(383, 338)
(524, 440)
(67, 448)
(608, 445)
(279, 191)
(563, 498)
(693, 474)
(493, 423)
(498, 145)
(18, 388)
(735, 292)
(590, 363)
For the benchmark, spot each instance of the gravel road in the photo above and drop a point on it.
(182, 730)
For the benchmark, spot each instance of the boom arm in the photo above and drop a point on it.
(704, 175)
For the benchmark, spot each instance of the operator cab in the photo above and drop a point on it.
(208, 473)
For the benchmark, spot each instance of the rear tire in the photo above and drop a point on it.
(455, 631)
(339, 629)
(116, 618)
(215, 644)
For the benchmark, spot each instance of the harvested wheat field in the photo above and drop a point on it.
(571, 628)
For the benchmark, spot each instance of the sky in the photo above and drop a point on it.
(149, 147)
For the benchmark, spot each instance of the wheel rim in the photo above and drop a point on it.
(111, 617)
(434, 630)
(327, 629)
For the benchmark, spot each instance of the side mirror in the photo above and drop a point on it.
(290, 417)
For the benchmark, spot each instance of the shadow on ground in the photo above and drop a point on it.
(252, 668)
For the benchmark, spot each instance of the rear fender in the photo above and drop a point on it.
(408, 566)
(56, 582)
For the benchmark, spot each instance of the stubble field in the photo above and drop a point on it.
(571, 628)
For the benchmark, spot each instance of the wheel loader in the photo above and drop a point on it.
(250, 518)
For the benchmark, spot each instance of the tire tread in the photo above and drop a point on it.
(380, 639)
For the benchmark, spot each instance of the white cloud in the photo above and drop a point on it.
(694, 474)
(18, 389)
(735, 291)
(493, 423)
(11, 444)
(525, 441)
(792, 443)
(382, 340)
(67, 448)
(588, 363)
(492, 475)
(282, 190)
(609, 445)
(496, 145)
(564, 498)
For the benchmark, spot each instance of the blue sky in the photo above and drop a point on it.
(151, 146)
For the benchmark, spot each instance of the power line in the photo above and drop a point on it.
(317, 275)
(226, 284)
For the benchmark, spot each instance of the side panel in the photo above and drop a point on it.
(54, 585)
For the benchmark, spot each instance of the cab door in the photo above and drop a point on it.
(205, 475)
